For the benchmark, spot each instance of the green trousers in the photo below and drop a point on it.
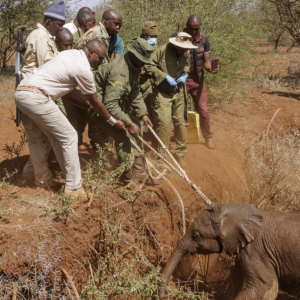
(167, 108)
(147, 96)
(75, 116)
(122, 138)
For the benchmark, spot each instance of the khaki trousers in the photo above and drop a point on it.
(44, 123)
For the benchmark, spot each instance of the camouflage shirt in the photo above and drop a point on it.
(98, 32)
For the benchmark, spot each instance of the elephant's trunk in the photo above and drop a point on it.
(169, 268)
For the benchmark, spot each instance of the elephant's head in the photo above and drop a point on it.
(223, 228)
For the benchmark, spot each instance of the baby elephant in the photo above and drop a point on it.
(267, 245)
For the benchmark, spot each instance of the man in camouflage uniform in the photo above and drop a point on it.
(86, 21)
(116, 82)
(110, 25)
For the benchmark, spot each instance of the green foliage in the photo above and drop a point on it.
(225, 22)
(14, 14)
(66, 204)
(7, 178)
(116, 276)
(15, 149)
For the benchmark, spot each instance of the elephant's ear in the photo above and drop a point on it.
(237, 225)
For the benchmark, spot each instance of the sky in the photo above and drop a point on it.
(88, 3)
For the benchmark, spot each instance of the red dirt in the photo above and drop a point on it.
(217, 172)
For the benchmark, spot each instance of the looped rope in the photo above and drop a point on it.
(181, 172)
(150, 166)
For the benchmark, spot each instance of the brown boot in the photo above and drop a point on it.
(139, 173)
(74, 194)
(210, 143)
(181, 161)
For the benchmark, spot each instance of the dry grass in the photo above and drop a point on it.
(43, 276)
(272, 170)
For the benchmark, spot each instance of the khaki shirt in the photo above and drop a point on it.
(117, 81)
(41, 48)
(98, 32)
(166, 62)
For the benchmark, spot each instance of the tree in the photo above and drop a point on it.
(225, 22)
(289, 16)
(266, 15)
(14, 14)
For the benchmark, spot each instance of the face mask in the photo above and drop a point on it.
(152, 41)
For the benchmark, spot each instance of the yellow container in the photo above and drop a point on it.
(193, 128)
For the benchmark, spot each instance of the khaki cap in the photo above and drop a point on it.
(141, 49)
(183, 40)
(150, 28)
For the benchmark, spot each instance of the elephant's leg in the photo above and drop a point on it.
(260, 291)
(235, 284)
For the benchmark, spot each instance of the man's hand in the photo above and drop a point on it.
(215, 71)
(147, 120)
(120, 125)
(134, 130)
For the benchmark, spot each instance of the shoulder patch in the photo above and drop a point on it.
(118, 82)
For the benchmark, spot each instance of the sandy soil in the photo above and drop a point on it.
(27, 211)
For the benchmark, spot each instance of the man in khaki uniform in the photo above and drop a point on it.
(169, 68)
(116, 82)
(41, 49)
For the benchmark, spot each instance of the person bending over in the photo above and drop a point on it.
(35, 97)
(64, 40)
(116, 82)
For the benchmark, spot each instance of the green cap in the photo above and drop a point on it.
(141, 49)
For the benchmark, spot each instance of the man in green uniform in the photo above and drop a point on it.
(169, 68)
(115, 82)
(86, 21)
(149, 33)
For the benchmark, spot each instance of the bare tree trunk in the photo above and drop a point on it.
(277, 41)
(293, 44)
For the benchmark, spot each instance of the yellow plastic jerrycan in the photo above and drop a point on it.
(193, 128)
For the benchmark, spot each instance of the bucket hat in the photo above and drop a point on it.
(141, 49)
(183, 40)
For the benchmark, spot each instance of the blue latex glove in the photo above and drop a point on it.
(171, 81)
(182, 78)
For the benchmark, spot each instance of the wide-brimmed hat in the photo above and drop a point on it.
(183, 40)
(142, 50)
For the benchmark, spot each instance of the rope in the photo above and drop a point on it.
(150, 166)
(183, 174)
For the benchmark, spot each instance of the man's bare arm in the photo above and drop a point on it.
(78, 96)
(100, 109)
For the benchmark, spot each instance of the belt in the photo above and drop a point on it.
(32, 89)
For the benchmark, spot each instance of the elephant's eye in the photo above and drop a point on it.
(196, 235)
